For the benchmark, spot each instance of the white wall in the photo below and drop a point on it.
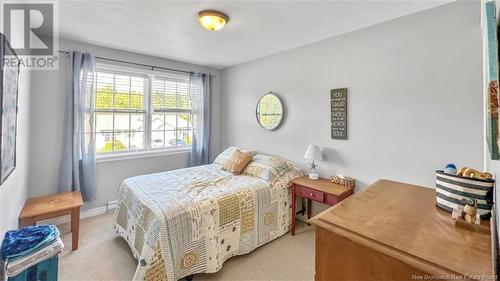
(14, 191)
(46, 124)
(111, 174)
(414, 90)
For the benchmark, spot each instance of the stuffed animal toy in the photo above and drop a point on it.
(474, 174)
(450, 169)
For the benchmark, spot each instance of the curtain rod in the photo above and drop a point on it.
(141, 64)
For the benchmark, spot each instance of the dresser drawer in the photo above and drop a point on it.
(312, 194)
(331, 199)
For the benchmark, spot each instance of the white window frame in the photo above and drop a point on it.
(147, 151)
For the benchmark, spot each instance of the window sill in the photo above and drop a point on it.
(140, 154)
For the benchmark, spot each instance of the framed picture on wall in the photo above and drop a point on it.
(338, 100)
(491, 71)
(9, 81)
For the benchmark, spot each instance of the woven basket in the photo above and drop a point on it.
(452, 191)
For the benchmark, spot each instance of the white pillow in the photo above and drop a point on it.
(268, 167)
(228, 153)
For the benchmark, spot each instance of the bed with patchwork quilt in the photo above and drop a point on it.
(191, 220)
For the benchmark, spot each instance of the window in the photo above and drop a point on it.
(139, 111)
(171, 120)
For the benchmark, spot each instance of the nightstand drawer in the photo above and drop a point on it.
(312, 194)
(331, 199)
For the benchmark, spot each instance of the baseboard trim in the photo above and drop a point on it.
(112, 205)
(84, 214)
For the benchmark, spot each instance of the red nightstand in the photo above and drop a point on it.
(320, 190)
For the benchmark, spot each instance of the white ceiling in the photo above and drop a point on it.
(256, 28)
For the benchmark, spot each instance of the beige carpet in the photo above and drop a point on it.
(104, 256)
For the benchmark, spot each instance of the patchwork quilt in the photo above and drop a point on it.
(189, 221)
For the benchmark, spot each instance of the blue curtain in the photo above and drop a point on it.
(200, 88)
(78, 168)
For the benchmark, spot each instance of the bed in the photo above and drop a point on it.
(191, 220)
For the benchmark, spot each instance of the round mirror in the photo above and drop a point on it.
(270, 111)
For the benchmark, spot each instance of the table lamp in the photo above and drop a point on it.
(313, 153)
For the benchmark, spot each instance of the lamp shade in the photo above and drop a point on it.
(313, 153)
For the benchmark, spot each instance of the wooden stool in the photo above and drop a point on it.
(51, 206)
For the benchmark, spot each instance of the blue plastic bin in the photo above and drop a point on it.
(43, 271)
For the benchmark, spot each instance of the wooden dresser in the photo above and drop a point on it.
(394, 231)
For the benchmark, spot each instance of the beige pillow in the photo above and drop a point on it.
(237, 163)
(228, 153)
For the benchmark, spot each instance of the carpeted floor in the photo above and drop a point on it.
(104, 256)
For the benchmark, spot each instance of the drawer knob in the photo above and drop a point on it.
(312, 194)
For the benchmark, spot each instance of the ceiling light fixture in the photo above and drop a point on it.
(212, 20)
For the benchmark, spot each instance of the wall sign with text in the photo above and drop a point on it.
(338, 99)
